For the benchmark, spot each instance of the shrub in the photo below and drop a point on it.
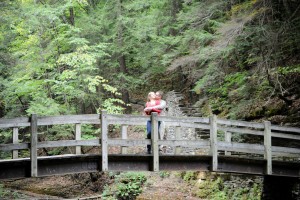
(127, 186)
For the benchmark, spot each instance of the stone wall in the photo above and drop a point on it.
(177, 108)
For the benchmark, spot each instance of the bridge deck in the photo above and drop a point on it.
(56, 165)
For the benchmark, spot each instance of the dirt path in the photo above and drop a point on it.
(171, 187)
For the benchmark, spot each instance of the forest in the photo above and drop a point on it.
(238, 59)
(80, 56)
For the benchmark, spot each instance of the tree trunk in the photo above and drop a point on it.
(125, 93)
(287, 7)
(122, 61)
(175, 8)
(72, 17)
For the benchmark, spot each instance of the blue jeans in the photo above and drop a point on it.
(149, 133)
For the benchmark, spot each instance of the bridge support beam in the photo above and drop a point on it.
(268, 146)
(214, 142)
(154, 139)
(15, 153)
(33, 146)
(78, 137)
(104, 142)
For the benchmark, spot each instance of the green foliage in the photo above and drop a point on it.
(127, 186)
(189, 176)
(62, 75)
(231, 81)
(229, 89)
(211, 26)
(242, 7)
(216, 189)
(211, 189)
(112, 106)
(206, 80)
(252, 193)
(89, 132)
(5, 155)
(7, 194)
(289, 69)
(164, 174)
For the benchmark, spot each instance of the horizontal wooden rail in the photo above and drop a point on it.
(240, 130)
(188, 124)
(241, 147)
(53, 120)
(286, 136)
(69, 119)
(183, 119)
(128, 142)
(127, 119)
(10, 147)
(68, 143)
(16, 122)
(240, 123)
(287, 129)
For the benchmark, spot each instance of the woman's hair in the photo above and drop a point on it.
(149, 95)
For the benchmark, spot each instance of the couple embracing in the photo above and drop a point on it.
(154, 104)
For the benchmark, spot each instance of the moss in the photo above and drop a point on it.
(219, 188)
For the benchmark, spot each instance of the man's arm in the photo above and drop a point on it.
(161, 106)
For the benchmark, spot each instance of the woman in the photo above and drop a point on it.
(152, 101)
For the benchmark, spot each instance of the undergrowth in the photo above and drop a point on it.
(126, 186)
(7, 194)
(217, 189)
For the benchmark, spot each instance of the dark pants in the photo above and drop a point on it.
(149, 133)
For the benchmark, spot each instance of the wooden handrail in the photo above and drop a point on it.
(212, 124)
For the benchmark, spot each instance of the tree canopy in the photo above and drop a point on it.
(81, 56)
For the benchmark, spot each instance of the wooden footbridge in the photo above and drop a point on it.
(260, 158)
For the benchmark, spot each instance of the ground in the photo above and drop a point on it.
(167, 188)
(160, 185)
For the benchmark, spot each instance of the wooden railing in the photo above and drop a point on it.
(213, 145)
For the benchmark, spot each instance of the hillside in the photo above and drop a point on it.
(243, 71)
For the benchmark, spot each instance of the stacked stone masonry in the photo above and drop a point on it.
(177, 108)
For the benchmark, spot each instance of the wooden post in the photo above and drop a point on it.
(104, 143)
(33, 146)
(124, 137)
(154, 141)
(177, 137)
(78, 137)
(227, 139)
(214, 142)
(15, 141)
(268, 146)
